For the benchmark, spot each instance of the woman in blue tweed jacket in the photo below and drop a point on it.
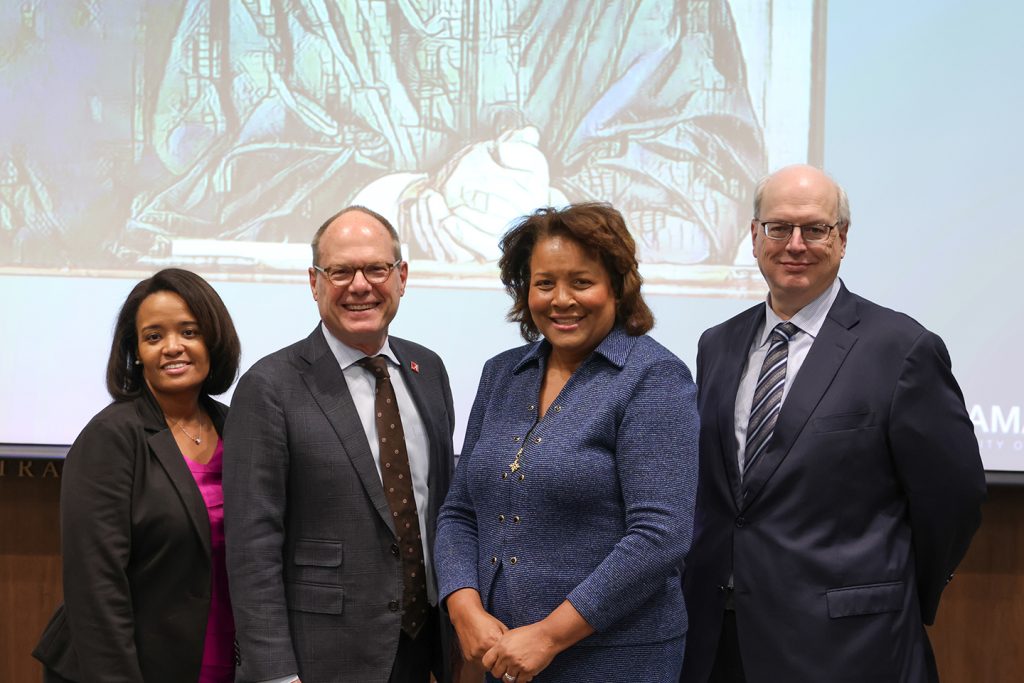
(560, 544)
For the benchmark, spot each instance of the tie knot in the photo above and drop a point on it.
(785, 331)
(378, 365)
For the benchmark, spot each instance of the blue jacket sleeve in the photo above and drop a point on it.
(456, 548)
(656, 456)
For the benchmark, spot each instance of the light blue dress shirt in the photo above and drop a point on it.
(809, 319)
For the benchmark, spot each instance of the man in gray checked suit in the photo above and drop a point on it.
(331, 492)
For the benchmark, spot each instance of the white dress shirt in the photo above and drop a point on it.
(362, 385)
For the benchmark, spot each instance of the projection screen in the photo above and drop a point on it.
(217, 135)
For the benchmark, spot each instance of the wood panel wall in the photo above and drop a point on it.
(976, 636)
(980, 624)
(29, 562)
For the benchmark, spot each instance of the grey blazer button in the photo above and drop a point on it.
(394, 549)
(394, 605)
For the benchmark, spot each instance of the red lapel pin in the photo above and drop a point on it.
(414, 365)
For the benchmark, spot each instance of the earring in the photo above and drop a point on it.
(138, 362)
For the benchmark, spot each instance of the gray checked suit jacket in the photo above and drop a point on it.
(315, 585)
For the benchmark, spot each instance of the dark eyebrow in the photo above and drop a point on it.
(572, 273)
(183, 323)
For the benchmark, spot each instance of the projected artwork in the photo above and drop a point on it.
(219, 133)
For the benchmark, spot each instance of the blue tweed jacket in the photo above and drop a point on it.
(601, 510)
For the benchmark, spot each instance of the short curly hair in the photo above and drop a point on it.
(601, 230)
(124, 377)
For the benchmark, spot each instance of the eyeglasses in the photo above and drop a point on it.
(375, 273)
(777, 230)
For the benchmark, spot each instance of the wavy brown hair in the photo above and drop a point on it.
(600, 230)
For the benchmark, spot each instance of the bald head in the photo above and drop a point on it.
(796, 269)
(797, 178)
(361, 209)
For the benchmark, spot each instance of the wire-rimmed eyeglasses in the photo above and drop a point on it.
(813, 232)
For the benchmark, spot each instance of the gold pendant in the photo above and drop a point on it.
(515, 463)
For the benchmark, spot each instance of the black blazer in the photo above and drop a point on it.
(136, 553)
(315, 576)
(844, 533)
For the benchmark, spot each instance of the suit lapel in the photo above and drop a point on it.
(823, 361)
(738, 349)
(326, 382)
(423, 383)
(161, 442)
(414, 382)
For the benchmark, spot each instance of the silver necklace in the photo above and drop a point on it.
(197, 439)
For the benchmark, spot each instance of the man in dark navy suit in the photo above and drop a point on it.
(840, 476)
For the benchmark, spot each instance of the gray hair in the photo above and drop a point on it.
(842, 201)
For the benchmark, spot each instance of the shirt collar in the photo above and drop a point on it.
(347, 356)
(614, 348)
(809, 319)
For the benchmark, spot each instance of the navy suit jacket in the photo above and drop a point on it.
(843, 534)
(316, 583)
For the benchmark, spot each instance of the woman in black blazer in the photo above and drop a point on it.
(145, 592)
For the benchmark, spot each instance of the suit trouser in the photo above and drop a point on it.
(418, 657)
(728, 667)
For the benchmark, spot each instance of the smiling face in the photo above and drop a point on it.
(170, 346)
(798, 271)
(571, 298)
(358, 313)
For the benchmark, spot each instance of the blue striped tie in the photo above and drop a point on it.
(764, 410)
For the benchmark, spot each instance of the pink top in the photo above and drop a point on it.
(218, 650)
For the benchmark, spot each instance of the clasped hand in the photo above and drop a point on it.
(521, 652)
(487, 644)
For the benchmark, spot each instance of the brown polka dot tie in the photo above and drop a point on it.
(397, 480)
